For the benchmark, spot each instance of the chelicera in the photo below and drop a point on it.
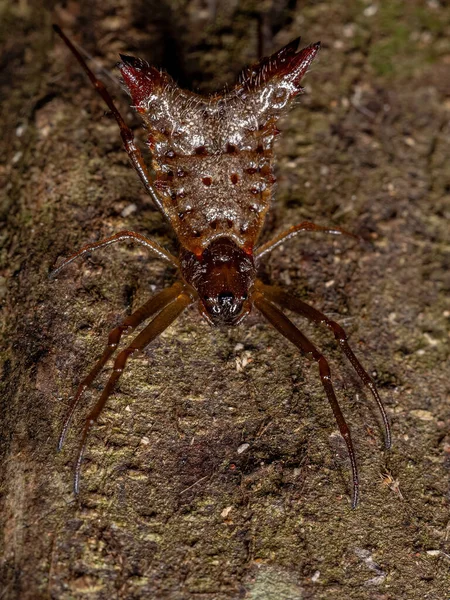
(213, 158)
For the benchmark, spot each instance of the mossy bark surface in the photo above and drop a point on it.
(216, 471)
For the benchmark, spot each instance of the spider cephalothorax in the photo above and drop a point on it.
(213, 158)
(222, 276)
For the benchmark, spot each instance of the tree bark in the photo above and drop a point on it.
(216, 472)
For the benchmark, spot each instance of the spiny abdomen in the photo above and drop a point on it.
(213, 155)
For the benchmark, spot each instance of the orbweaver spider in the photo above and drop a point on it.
(213, 158)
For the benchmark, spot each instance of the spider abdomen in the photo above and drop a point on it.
(215, 195)
(213, 155)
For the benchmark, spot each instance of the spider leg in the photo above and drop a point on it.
(161, 322)
(127, 135)
(294, 335)
(294, 230)
(277, 295)
(148, 309)
(119, 237)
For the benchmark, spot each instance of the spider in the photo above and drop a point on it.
(213, 159)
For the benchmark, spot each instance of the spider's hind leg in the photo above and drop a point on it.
(127, 135)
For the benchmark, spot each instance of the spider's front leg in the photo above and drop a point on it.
(294, 335)
(143, 313)
(162, 321)
(151, 307)
(280, 297)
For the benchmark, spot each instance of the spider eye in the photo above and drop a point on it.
(225, 299)
(244, 296)
(206, 298)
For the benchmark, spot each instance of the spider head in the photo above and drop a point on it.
(222, 277)
(224, 308)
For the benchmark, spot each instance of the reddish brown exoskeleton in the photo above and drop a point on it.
(213, 158)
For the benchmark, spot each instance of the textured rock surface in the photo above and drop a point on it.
(217, 472)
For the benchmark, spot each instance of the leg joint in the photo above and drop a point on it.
(339, 332)
(323, 366)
